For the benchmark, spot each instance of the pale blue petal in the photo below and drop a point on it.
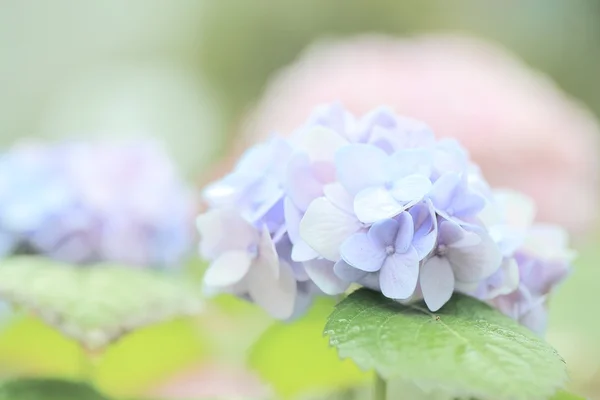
(399, 275)
(347, 272)
(300, 183)
(425, 223)
(292, 216)
(437, 282)
(411, 161)
(383, 233)
(360, 166)
(321, 273)
(411, 188)
(406, 232)
(360, 252)
(442, 192)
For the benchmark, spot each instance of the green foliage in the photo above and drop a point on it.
(94, 305)
(295, 357)
(562, 395)
(467, 348)
(30, 347)
(47, 389)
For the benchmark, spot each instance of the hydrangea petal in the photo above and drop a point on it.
(347, 272)
(442, 192)
(406, 232)
(325, 227)
(267, 254)
(300, 183)
(383, 233)
(215, 228)
(376, 203)
(474, 263)
(322, 143)
(412, 161)
(425, 222)
(411, 188)
(399, 275)
(322, 274)
(303, 252)
(360, 252)
(230, 268)
(339, 196)
(437, 282)
(360, 166)
(276, 295)
(452, 234)
(292, 216)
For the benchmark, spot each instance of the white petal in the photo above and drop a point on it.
(411, 188)
(224, 229)
(321, 144)
(324, 228)
(510, 270)
(437, 282)
(549, 242)
(276, 296)
(267, 255)
(519, 209)
(335, 193)
(475, 263)
(302, 252)
(321, 273)
(228, 269)
(376, 203)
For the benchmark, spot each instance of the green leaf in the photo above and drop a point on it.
(47, 389)
(467, 348)
(147, 356)
(562, 395)
(295, 358)
(30, 347)
(94, 305)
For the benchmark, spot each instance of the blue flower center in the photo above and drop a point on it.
(389, 250)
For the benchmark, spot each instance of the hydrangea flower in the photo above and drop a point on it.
(372, 200)
(90, 202)
(246, 263)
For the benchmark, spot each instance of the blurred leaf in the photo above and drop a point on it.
(140, 359)
(98, 304)
(30, 347)
(562, 395)
(47, 389)
(295, 357)
(467, 348)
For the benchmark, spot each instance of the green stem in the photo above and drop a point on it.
(379, 388)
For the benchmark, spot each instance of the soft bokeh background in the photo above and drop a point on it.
(187, 73)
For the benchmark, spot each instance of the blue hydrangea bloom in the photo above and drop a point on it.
(92, 202)
(374, 200)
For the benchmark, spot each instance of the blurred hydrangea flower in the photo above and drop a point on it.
(93, 202)
(536, 260)
(375, 201)
(517, 135)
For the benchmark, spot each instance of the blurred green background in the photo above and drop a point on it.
(186, 72)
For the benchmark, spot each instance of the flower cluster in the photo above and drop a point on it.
(375, 201)
(91, 202)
